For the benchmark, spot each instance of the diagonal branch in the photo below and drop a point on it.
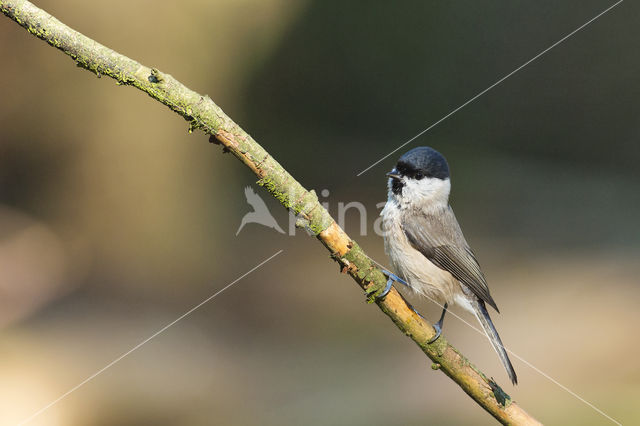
(202, 113)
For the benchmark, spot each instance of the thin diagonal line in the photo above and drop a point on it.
(536, 369)
(494, 84)
(562, 386)
(97, 373)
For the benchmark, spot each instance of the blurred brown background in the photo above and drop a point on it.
(114, 220)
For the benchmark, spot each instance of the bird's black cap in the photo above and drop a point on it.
(423, 162)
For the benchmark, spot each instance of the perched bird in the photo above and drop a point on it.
(426, 246)
(260, 213)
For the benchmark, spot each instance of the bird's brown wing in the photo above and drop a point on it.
(439, 238)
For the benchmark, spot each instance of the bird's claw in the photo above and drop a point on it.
(438, 328)
(387, 288)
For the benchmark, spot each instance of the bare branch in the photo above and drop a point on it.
(202, 113)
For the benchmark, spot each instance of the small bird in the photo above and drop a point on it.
(426, 246)
(260, 213)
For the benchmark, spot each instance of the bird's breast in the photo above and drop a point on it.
(421, 274)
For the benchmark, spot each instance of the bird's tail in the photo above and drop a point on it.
(483, 316)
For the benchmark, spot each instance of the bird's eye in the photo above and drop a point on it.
(419, 175)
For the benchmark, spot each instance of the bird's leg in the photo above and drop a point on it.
(438, 326)
(387, 288)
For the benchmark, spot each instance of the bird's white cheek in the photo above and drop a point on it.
(429, 190)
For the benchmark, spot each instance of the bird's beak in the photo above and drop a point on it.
(393, 174)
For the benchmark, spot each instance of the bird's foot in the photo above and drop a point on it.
(387, 288)
(438, 326)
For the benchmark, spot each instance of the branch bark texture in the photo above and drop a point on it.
(202, 113)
